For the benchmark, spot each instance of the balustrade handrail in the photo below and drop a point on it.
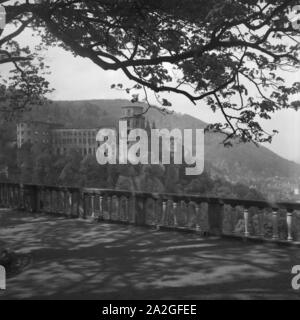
(167, 209)
(167, 196)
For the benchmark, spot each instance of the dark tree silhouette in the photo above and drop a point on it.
(212, 50)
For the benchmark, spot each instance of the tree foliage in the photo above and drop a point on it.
(25, 84)
(228, 53)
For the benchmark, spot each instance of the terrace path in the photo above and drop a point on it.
(76, 259)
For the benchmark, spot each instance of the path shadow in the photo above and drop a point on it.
(74, 259)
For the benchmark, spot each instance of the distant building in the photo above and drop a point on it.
(62, 140)
(82, 140)
(35, 132)
(134, 117)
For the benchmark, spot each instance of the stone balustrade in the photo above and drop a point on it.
(206, 215)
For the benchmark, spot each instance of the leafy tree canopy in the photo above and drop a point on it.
(210, 50)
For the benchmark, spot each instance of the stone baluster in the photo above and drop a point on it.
(233, 214)
(140, 216)
(80, 211)
(246, 222)
(126, 212)
(101, 214)
(93, 206)
(1, 194)
(86, 205)
(275, 224)
(6, 196)
(215, 218)
(190, 215)
(58, 201)
(10, 197)
(109, 207)
(52, 201)
(54, 204)
(157, 213)
(119, 208)
(65, 202)
(197, 217)
(49, 197)
(184, 209)
(70, 202)
(289, 221)
(13, 199)
(175, 214)
(42, 200)
(22, 201)
(62, 202)
(17, 202)
(46, 201)
(37, 199)
(19, 197)
(261, 221)
(164, 212)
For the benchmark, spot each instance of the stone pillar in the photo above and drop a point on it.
(289, 221)
(215, 218)
(140, 214)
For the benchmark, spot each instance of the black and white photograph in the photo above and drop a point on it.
(149, 151)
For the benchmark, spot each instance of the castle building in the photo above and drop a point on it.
(82, 140)
(62, 140)
(35, 132)
(134, 117)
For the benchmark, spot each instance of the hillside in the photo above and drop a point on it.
(239, 163)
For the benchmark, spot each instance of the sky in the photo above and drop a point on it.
(75, 78)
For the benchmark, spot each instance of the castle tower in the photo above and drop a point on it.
(134, 117)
